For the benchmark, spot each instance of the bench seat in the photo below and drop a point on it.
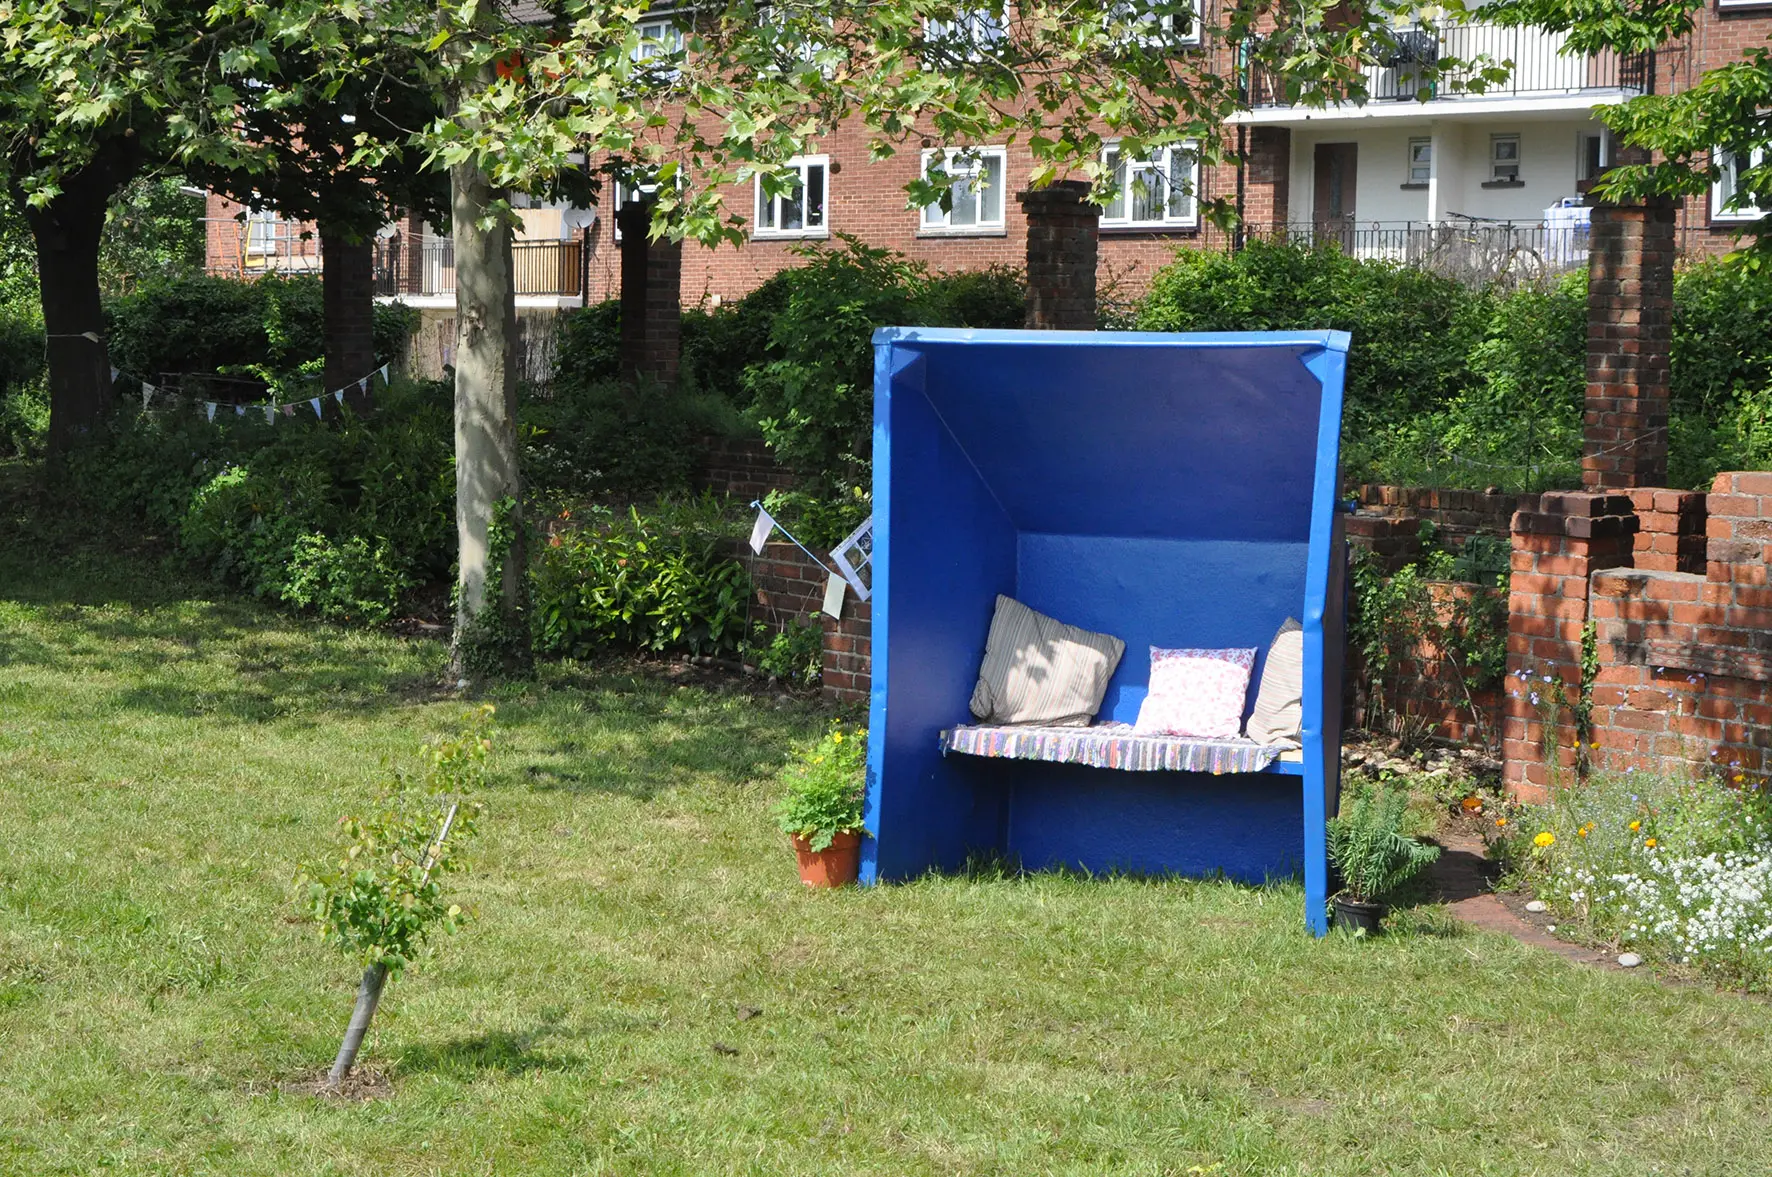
(1111, 745)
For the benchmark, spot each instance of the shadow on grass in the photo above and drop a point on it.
(498, 1051)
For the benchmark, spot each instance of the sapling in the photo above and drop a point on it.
(382, 897)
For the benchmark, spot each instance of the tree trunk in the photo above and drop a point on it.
(67, 235)
(368, 997)
(348, 301)
(486, 467)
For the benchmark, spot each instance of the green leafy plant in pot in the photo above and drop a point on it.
(1368, 848)
(822, 810)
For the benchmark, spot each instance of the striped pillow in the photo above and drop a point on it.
(1279, 704)
(1037, 670)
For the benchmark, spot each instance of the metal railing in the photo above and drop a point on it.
(1416, 65)
(553, 268)
(1478, 253)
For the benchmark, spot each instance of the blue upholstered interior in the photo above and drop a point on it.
(1164, 489)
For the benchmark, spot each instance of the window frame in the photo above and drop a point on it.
(1746, 213)
(1196, 179)
(1165, 33)
(673, 42)
(977, 20)
(1410, 162)
(976, 166)
(800, 163)
(1495, 162)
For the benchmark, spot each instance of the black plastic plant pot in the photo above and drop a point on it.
(1359, 917)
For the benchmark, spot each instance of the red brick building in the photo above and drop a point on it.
(1467, 178)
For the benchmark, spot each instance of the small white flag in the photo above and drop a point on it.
(384, 373)
(363, 386)
(270, 413)
(113, 375)
(239, 410)
(148, 391)
(315, 405)
(339, 396)
(209, 409)
(760, 530)
(834, 588)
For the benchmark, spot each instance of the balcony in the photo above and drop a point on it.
(1477, 253)
(1405, 72)
(554, 269)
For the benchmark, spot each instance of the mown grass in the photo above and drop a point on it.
(649, 991)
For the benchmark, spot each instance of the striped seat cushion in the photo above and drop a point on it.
(1110, 745)
(1039, 670)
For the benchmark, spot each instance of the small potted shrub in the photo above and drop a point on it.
(822, 809)
(1374, 857)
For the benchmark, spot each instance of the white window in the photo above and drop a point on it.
(626, 192)
(1160, 190)
(1421, 160)
(267, 232)
(975, 201)
(1727, 201)
(660, 41)
(1504, 159)
(1154, 22)
(800, 210)
(969, 34)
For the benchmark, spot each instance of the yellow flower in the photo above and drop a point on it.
(1738, 778)
(837, 737)
(1595, 744)
(1582, 832)
(1650, 842)
(1635, 826)
(1544, 839)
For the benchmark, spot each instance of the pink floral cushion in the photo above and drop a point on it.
(1196, 693)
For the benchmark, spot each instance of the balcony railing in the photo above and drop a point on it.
(1413, 68)
(1478, 253)
(553, 268)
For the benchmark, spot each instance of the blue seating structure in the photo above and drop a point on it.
(1171, 490)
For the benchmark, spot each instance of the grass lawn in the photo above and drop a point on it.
(648, 990)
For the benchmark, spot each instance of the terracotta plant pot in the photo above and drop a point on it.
(1357, 917)
(835, 866)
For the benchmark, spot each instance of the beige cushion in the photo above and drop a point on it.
(1279, 704)
(1038, 670)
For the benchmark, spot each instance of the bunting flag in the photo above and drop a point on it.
(384, 373)
(148, 391)
(760, 529)
(239, 410)
(270, 412)
(288, 410)
(114, 375)
(315, 405)
(209, 410)
(363, 386)
(339, 396)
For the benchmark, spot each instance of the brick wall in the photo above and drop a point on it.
(1630, 292)
(1430, 688)
(1389, 518)
(741, 467)
(788, 585)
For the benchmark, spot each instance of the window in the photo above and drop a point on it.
(975, 202)
(1727, 201)
(1421, 160)
(969, 34)
(266, 232)
(626, 192)
(660, 41)
(1155, 22)
(1594, 155)
(1158, 191)
(800, 211)
(1504, 159)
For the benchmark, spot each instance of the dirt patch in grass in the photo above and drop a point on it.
(360, 1086)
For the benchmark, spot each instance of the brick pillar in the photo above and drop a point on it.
(1064, 234)
(1630, 297)
(412, 255)
(347, 298)
(1556, 548)
(1269, 196)
(651, 298)
(1671, 535)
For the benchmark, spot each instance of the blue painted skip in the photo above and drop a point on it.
(1173, 490)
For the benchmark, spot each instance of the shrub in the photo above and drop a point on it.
(1413, 330)
(655, 582)
(210, 324)
(825, 788)
(338, 516)
(1679, 870)
(603, 439)
(793, 655)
